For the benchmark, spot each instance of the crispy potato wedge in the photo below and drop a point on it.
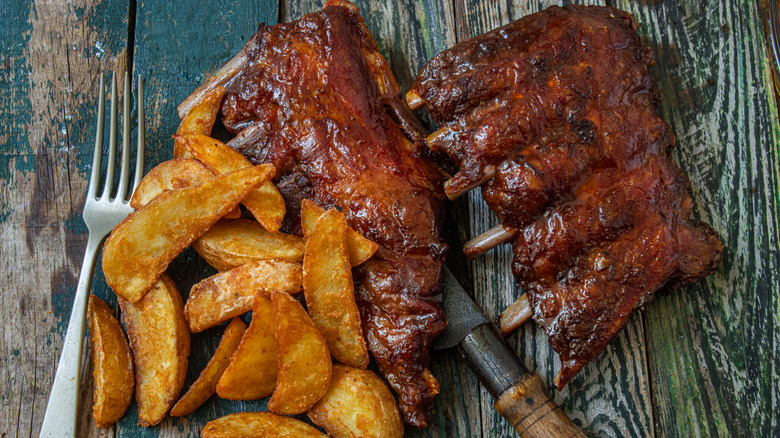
(112, 365)
(232, 243)
(235, 213)
(360, 248)
(265, 203)
(160, 343)
(172, 175)
(169, 175)
(206, 384)
(330, 292)
(357, 404)
(252, 371)
(259, 424)
(199, 120)
(302, 357)
(141, 246)
(232, 293)
(267, 206)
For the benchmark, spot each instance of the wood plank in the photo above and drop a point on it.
(177, 44)
(51, 53)
(610, 396)
(713, 347)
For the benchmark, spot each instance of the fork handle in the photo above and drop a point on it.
(63, 406)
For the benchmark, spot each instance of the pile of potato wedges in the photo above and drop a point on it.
(305, 351)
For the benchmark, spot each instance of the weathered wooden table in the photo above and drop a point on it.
(702, 361)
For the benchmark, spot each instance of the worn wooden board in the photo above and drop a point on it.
(713, 347)
(700, 361)
(50, 53)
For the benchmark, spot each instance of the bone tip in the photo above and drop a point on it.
(434, 136)
(569, 368)
(488, 240)
(451, 190)
(414, 100)
(471, 252)
(515, 315)
(505, 327)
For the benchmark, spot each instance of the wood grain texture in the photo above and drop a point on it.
(713, 347)
(51, 53)
(701, 361)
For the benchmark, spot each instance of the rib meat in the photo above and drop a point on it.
(554, 115)
(323, 107)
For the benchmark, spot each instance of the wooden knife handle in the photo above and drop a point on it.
(532, 412)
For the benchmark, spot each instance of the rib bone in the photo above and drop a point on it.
(223, 76)
(515, 315)
(454, 192)
(488, 240)
(248, 136)
(414, 100)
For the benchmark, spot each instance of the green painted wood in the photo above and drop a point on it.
(50, 56)
(611, 396)
(713, 347)
(177, 44)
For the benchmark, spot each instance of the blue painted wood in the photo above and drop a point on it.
(50, 57)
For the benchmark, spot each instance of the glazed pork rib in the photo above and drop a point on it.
(316, 98)
(554, 116)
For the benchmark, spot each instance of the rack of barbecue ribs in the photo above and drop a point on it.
(315, 98)
(554, 117)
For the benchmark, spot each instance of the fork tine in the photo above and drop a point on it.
(111, 164)
(139, 159)
(93, 178)
(121, 189)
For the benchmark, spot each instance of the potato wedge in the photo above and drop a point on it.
(360, 248)
(302, 357)
(231, 293)
(206, 384)
(357, 404)
(265, 203)
(199, 120)
(112, 365)
(172, 175)
(232, 243)
(259, 424)
(252, 371)
(169, 175)
(160, 343)
(330, 292)
(141, 246)
(235, 213)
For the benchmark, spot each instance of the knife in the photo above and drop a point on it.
(521, 397)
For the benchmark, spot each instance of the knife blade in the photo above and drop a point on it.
(521, 396)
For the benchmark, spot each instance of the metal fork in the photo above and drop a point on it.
(101, 214)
